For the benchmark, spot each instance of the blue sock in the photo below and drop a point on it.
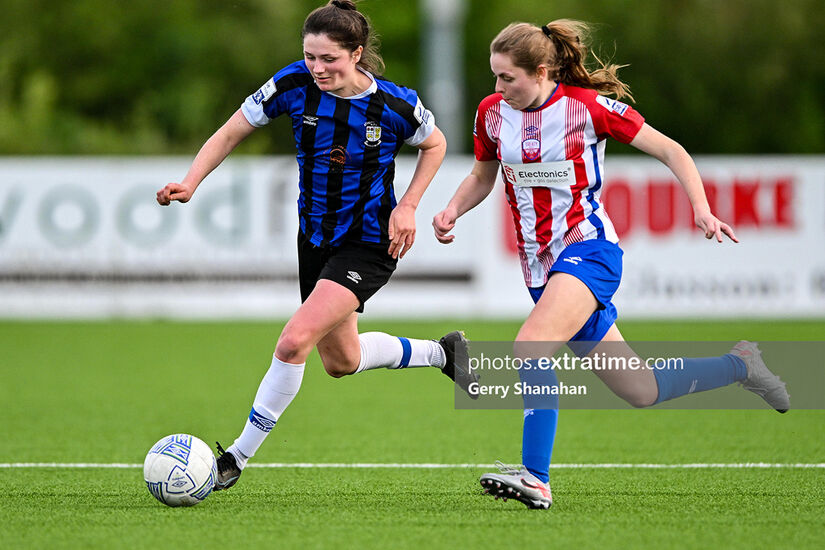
(541, 415)
(698, 375)
(537, 441)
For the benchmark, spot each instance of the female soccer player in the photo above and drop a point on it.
(546, 127)
(348, 127)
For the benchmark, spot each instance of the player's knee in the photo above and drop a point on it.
(543, 334)
(293, 347)
(641, 397)
(338, 369)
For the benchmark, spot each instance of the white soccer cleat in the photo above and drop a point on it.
(761, 380)
(517, 483)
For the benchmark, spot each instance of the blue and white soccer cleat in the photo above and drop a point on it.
(228, 471)
(761, 380)
(518, 483)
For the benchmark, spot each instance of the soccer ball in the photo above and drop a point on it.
(180, 470)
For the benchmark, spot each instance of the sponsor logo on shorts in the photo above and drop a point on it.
(354, 276)
(573, 260)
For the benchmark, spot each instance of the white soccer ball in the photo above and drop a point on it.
(180, 470)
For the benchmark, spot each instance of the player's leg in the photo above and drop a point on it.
(562, 308)
(326, 307)
(574, 305)
(343, 351)
(363, 269)
(637, 387)
(644, 387)
(339, 348)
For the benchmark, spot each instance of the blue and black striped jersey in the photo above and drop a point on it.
(346, 149)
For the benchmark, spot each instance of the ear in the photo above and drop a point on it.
(541, 72)
(356, 54)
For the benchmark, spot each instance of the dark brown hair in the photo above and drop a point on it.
(341, 21)
(562, 46)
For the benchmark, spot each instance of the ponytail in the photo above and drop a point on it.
(562, 46)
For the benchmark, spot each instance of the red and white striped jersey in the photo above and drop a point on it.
(552, 161)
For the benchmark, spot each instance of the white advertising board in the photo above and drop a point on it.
(84, 238)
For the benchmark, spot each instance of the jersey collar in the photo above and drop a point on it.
(371, 89)
(548, 102)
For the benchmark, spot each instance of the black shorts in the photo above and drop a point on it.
(361, 267)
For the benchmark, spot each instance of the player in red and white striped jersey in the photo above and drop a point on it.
(546, 128)
(563, 141)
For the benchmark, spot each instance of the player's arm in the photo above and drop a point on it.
(402, 220)
(474, 189)
(672, 154)
(216, 148)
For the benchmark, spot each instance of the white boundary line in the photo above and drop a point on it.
(424, 466)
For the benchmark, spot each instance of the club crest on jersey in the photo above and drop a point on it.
(530, 149)
(373, 134)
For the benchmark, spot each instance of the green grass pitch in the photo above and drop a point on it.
(105, 392)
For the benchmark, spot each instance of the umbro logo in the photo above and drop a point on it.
(573, 260)
(261, 422)
(310, 120)
(354, 276)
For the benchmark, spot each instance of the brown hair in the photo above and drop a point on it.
(562, 46)
(341, 21)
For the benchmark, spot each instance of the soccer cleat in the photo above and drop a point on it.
(228, 471)
(761, 380)
(518, 483)
(457, 364)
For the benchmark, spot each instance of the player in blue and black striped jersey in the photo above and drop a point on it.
(346, 148)
(349, 125)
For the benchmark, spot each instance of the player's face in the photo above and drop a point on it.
(520, 89)
(332, 66)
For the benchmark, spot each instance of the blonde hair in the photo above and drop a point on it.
(562, 46)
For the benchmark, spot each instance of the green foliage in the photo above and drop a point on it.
(97, 77)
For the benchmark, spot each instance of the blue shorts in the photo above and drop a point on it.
(598, 264)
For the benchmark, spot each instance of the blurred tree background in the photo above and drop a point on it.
(158, 77)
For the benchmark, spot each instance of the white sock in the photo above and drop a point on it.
(280, 384)
(380, 350)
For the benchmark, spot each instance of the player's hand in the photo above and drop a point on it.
(401, 230)
(175, 192)
(443, 223)
(713, 227)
